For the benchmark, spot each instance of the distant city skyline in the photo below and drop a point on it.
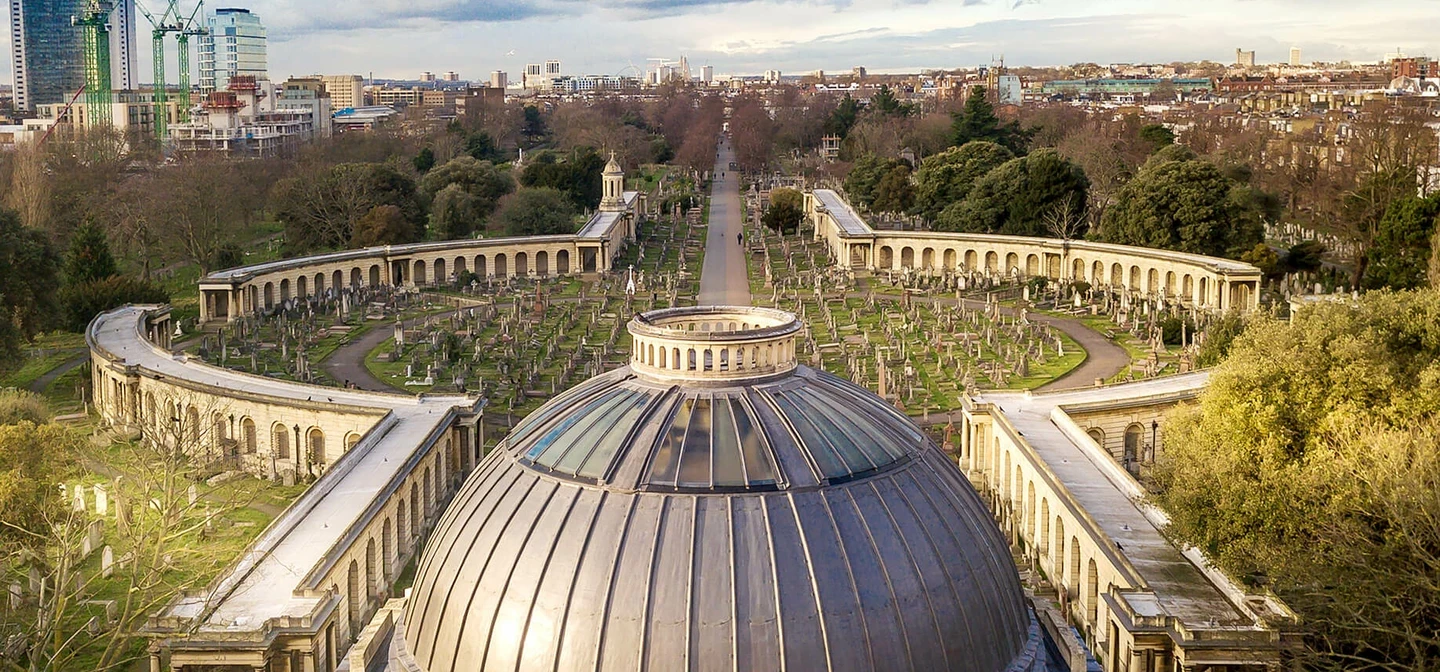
(473, 37)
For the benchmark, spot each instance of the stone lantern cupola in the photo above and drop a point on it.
(613, 199)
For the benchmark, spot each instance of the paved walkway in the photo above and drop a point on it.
(723, 280)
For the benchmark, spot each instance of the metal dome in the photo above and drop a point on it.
(717, 507)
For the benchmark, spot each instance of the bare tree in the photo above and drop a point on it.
(30, 187)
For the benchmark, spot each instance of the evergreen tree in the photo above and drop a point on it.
(424, 161)
(946, 178)
(89, 256)
(1401, 250)
(843, 118)
(978, 122)
(1017, 197)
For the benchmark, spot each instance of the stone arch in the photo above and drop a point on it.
(1097, 273)
(1187, 287)
(927, 258)
(1152, 281)
(1030, 511)
(415, 505)
(1135, 278)
(374, 275)
(284, 290)
(1134, 439)
(315, 443)
(1092, 592)
(562, 262)
(1098, 435)
(522, 264)
(418, 276)
(1043, 538)
(428, 494)
(1058, 552)
(1077, 269)
(1052, 266)
(351, 439)
(480, 265)
(1170, 283)
(542, 263)
(353, 597)
(887, 258)
(337, 280)
(372, 564)
(319, 284)
(247, 436)
(460, 266)
(501, 268)
(269, 295)
(949, 260)
(192, 426)
(972, 260)
(280, 441)
(302, 287)
(1072, 577)
(1012, 263)
(354, 277)
(1032, 265)
(439, 272)
(387, 551)
(402, 519)
(992, 262)
(907, 257)
(1204, 291)
(675, 358)
(1117, 275)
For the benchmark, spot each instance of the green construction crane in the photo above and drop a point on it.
(158, 28)
(183, 40)
(92, 21)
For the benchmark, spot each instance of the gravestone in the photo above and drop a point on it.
(193, 493)
(107, 561)
(102, 500)
(16, 595)
(77, 495)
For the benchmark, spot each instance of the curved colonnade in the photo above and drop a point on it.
(262, 287)
(384, 465)
(1192, 280)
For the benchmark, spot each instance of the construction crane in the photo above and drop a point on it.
(191, 27)
(93, 22)
(167, 23)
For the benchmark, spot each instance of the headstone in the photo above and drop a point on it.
(107, 561)
(193, 493)
(77, 501)
(16, 595)
(102, 500)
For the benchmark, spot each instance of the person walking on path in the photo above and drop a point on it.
(740, 239)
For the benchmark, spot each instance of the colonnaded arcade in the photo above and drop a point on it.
(317, 581)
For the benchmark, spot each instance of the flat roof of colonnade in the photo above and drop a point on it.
(1199, 598)
(271, 578)
(599, 226)
(851, 224)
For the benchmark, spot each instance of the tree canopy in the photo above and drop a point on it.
(787, 209)
(1017, 197)
(89, 257)
(481, 182)
(29, 278)
(536, 211)
(320, 208)
(1184, 205)
(576, 175)
(1400, 252)
(946, 178)
(863, 182)
(978, 122)
(1311, 463)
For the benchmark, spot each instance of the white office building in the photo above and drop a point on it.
(234, 45)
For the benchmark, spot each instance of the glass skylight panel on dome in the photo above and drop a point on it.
(712, 442)
(564, 402)
(598, 428)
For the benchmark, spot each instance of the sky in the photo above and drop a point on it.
(401, 38)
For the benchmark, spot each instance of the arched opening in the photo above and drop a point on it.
(402, 521)
(1098, 435)
(562, 262)
(192, 427)
(1134, 436)
(992, 262)
(887, 257)
(415, 524)
(971, 260)
(284, 290)
(387, 551)
(1187, 287)
(1092, 593)
(1204, 298)
(1097, 273)
(1012, 263)
(1117, 275)
(501, 268)
(372, 577)
(1152, 281)
(353, 596)
(316, 440)
(269, 295)
(1058, 553)
(949, 260)
(1135, 278)
(418, 276)
(1044, 537)
(428, 494)
(351, 439)
(480, 265)
(1030, 511)
(522, 264)
(440, 277)
(319, 284)
(1170, 283)
(1077, 269)
(337, 280)
(374, 275)
(907, 257)
(460, 266)
(1072, 579)
(1032, 265)
(542, 263)
(247, 434)
(927, 258)
(280, 441)
(302, 287)
(354, 277)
